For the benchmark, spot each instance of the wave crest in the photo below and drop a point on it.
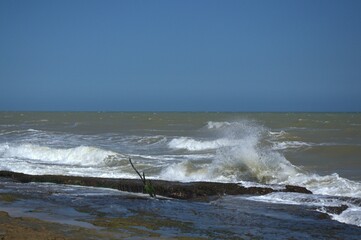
(81, 155)
(241, 155)
(191, 144)
(245, 153)
(217, 125)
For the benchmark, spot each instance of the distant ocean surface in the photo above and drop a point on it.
(319, 151)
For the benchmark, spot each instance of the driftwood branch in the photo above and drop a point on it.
(142, 178)
(148, 186)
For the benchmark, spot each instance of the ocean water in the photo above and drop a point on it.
(319, 151)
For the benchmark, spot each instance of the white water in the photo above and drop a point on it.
(352, 215)
(240, 152)
(243, 158)
(80, 161)
(195, 145)
(82, 155)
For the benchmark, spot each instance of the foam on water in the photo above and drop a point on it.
(239, 157)
(82, 155)
(241, 151)
(75, 161)
(217, 125)
(352, 215)
(150, 140)
(191, 144)
(242, 155)
(279, 134)
(258, 166)
(300, 199)
(322, 203)
(249, 159)
(287, 145)
(233, 164)
(332, 184)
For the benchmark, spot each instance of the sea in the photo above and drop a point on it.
(318, 151)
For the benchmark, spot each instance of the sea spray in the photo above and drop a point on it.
(249, 163)
(246, 151)
(241, 154)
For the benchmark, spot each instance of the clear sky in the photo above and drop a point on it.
(185, 55)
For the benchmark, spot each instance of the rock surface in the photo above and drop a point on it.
(335, 209)
(199, 191)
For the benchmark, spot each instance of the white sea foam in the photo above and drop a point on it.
(82, 155)
(186, 171)
(191, 144)
(4, 147)
(352, 215)
(299, 199)
(238, 158)
(172, 158)
(243, 157)
(332, 184)
(234, 134)
(217, 125)
(76, 161)
(277, 134)
(287, 145)
(150, 140)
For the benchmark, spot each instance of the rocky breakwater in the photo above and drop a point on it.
(198, 191)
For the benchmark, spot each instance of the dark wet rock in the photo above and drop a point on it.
(199, 191)
(323, 216)
(296, 189)
(336, 209)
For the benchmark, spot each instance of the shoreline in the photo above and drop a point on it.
(108, 214)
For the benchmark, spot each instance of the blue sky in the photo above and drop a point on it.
(180, 55)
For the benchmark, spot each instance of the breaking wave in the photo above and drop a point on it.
(242, 155)
(82, 155)
(217, 125)
(191, 144)
(351, 214)
(287, 145)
